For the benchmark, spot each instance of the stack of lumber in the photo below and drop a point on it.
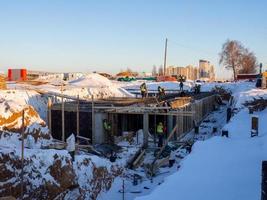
(2, 82)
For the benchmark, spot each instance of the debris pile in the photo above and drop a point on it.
(224, 93)
(256, 104)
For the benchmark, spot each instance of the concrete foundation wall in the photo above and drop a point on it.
(99, 136)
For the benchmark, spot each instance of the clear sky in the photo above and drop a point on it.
(98, 35)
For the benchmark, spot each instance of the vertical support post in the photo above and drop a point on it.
(229, 114)
(63, 119)
(49, 114)
(145, 129)
(264, 180)
(123, 190)
(93, 120)
(176, 131)
(155, 130)
(78, 117)
(254, 126)
(22, 154)
(169, 124)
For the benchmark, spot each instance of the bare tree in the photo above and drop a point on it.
(154, 70)
(248, 62)
(231, 55)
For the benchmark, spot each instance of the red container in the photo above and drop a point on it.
(9, 74)
(23, 74)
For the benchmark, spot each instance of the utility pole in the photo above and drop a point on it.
(165, 57)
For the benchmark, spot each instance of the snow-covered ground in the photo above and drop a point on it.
(222, 168)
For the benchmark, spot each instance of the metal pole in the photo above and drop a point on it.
(22, 154)
(123, 190)
(165, 56)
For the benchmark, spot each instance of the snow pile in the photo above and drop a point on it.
(22, 97)
(12, 103)
(99, 86)
(91, 80)
(11, 115)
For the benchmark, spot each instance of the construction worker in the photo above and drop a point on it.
(143, 90)
(181, 85)
(160, 133)
(197, 88)
(161, 92)
(107, 129)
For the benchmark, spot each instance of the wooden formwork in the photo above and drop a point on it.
(201, 108)
(78, 116)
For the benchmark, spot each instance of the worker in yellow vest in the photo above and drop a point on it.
(107, 128)
(160, 133)
(143, 90)
(161, 92)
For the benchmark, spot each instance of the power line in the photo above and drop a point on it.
(203, 52)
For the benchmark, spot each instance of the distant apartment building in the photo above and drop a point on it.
(206, 71)
(190, 72)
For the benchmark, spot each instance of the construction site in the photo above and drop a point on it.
(95, 138)
(93, 142)
(134, 120)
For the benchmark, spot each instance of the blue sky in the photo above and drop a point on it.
(77, 35)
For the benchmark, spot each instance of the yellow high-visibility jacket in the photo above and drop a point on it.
(160, 129)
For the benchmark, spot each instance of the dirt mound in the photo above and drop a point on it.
(11, 119)
(39, 182)
(51, 175)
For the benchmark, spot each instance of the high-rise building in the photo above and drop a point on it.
(190, 72)
(206, 71)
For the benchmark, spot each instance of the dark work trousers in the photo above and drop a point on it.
(143, 93)
(160, 142)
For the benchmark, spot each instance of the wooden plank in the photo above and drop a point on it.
(49, 114)
(139, 158)
(78, 117)
(145, 129)
(63, 119)
(93, 120)
(166, 143)
(22, 155)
